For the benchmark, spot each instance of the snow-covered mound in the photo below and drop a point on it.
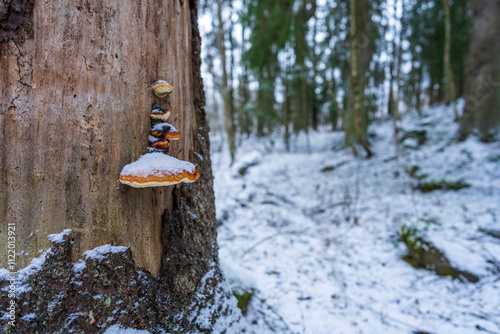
(316, 236)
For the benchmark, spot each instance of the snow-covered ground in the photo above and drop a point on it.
(320, 246)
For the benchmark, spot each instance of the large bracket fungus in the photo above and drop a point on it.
(156, 168)
(161, 88)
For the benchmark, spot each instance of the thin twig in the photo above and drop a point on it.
(271, 237)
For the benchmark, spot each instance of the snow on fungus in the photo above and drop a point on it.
(161, 88)
(150, 149)
(159, 113)
(153, 139)
(166, 131)
(157, 170)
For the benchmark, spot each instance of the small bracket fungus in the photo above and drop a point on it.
(159, 113)
(161, 88)
(165, 130)
(156, 168)
(161, 143)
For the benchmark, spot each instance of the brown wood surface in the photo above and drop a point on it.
(75, 103)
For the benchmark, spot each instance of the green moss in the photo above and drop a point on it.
(419, 135)
(432, 185)
(107, 303)
(422, 254)
(494, 158)
(327, 169)
(490, 232)
(243, 297)
(413, 171)
(432, 221)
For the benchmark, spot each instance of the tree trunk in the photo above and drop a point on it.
(75, 100)
(225, 87)
(450, 95)
(355, 82)
(482, 103)
(345, 127)
(242, 92)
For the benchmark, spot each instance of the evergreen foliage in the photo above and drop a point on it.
(297, 63)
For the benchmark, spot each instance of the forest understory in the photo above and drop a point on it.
(318, 241)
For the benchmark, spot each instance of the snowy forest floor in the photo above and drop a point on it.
(316, 235)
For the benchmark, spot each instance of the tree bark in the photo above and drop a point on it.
(355, 82)
(75, 100)
(482, 102)
(448, 72)
(226, 90)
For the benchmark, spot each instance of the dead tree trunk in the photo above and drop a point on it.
(75, 103)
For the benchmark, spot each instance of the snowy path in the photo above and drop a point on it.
(321, 250)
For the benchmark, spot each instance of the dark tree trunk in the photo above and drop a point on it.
(75, 103)
(482, 104)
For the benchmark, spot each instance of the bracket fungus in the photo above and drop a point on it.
(161, 88)
(156, 168)
(159, 113)
(165, 130)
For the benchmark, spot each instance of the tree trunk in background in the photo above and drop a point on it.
(402, 30)
(418, 92)
(226, 90)
(450, 95)
(75, 101)
(390, 106)
(243, 126)
(355, 81)
(287, 108)
(341, 113)
(482, 103)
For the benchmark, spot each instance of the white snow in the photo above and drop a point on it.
(161, 81)
(161, 126)
(79, 266)
(28, 317)
(321, 249)
(153, 139)
(118, 329)
(101, 252)
(34, 267)
(157, 164)
(4, 274)
(159, 110)
(224, 304)
(59, 237)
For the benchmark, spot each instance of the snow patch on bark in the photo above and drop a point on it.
(101, 252)
(118, 329)
(223, 309)
(59, 237)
